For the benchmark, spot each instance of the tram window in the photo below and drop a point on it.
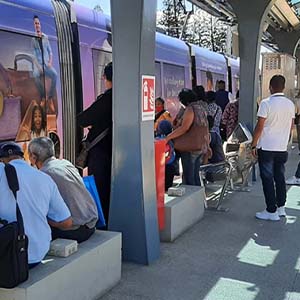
(236, 82)
(158, 90)
(173, 82)
(173, 78)
(100, 60)
(217, 77)
(206, 79)
(209, 79)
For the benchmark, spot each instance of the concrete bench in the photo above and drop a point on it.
(182, 212)
(85, 275)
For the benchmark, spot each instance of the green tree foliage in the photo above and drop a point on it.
(202, 29)
(173, 17)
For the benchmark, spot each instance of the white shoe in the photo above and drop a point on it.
(281, 211)
(265, 215)
(293, 181)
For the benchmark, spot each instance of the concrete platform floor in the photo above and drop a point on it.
(226, 256)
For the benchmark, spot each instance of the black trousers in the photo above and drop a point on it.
(170, 171)
(99, 165)
(33, 265)
(80, 235)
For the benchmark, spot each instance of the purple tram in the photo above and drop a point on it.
(52, 57)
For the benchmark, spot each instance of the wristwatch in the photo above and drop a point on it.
(253, 147)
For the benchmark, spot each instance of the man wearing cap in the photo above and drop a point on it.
(71, 187)
(39, 200)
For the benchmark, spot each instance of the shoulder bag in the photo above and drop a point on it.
(13, 241)
(81, 160)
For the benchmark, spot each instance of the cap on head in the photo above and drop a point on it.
(164, 127)
(8, 149)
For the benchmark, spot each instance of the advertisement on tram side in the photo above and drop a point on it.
(30, 100)
(173, 83)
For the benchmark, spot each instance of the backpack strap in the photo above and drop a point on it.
(216, 112)
(13, 183)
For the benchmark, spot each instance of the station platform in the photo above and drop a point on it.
(226, 256)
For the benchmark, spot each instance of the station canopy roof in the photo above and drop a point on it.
(284, 15)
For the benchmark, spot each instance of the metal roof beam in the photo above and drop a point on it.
(215, 8)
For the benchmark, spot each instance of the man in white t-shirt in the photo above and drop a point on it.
(270, 140)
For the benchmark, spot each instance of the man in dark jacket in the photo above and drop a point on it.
(221, 95)
(99, 117)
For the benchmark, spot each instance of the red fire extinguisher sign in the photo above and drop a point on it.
(148, 95)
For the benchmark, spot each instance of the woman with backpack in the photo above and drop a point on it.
(214, 115)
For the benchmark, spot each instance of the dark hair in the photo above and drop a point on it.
(187, 96)
(221, 84)
(277, 82)
(43, 125)
(160, 99)
(35, 17)
(237, 95)
(210, 96)
(108, 71)
(200, 92)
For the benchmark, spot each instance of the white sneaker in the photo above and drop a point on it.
(281, 211)
(265, 215)
(293, 181)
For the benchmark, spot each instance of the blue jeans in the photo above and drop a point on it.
(271, 167)
(216, 147)
(39, 81)
(190, 164)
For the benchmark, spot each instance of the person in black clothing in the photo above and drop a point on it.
(221, 96)
(98, 117)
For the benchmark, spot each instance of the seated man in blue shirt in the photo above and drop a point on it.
(39, 201)
(71, 187)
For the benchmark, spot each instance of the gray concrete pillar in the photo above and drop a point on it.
(286, 41)
(251, 18)
(133, 208)
(235, 41)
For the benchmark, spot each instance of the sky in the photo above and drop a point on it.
(105, 4)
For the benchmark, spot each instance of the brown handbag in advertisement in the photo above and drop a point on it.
(10, 118)
(195, 139)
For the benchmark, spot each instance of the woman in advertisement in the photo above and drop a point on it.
(34, 124)
(38, 122)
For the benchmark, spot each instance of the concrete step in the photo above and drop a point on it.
(85, 275)
(182, 212)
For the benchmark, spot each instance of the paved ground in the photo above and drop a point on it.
(226, 256)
